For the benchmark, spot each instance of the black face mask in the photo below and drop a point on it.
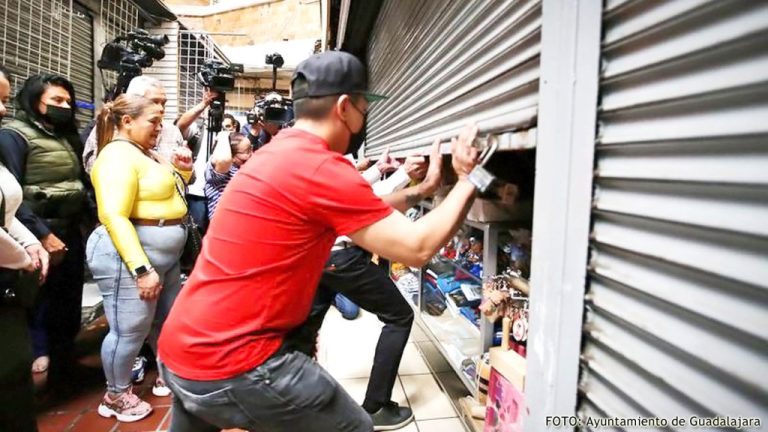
(356, 139)
(58, 116)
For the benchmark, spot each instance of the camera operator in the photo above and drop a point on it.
(198, 208)
(170, 136)
(186, 123)
(270, 114)
(252, 128)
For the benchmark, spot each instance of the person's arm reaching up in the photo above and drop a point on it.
(414, 243)
(221, 158)
(190, 116)
(404, 199)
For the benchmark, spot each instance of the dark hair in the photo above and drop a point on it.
(234, 140)
(314, 108)
(4, 72)
(235, 123)
(29, 96)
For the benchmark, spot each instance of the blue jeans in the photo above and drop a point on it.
(346, 307)
(130, 318)
(287, 393)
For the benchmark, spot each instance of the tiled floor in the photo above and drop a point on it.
(346, 350)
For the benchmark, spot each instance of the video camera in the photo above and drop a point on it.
(272, 108)
(276, 60)
(128, 54)
(219, 76)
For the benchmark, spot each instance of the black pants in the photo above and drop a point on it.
(56, 316)
(351, 272)
(17, 410)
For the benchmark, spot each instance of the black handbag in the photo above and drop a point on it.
(17, 287)
(194, 243)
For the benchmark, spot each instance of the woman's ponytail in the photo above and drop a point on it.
(105, 126)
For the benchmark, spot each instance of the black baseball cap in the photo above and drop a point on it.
(332, 73)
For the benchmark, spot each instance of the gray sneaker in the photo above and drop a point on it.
(391, 417)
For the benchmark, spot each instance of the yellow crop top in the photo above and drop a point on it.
(129, 184)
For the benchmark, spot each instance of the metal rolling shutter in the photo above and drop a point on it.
(677, 305)
(81, 61)
(446, 62)
(51, 36)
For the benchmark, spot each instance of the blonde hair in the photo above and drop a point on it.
(111, 114)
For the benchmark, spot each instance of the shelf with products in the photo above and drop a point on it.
(408, 281)
(406, 278)
(452, 284)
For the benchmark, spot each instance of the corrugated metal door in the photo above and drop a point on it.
(446, 62)
(167, 69)
(81, 62)
(51, 36)
(677, 305)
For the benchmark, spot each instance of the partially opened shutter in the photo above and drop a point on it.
(443, 63)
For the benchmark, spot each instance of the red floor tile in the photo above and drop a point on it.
(93, 422)
(87, 401)
(55, 422)
(149, 424)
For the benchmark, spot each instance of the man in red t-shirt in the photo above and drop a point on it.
(221, 347)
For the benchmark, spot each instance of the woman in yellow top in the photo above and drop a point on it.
(134, 255)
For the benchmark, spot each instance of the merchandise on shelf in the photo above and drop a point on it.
(515, 251)
(398, 269)
(433, 300)
(408, 284)
(501, 298)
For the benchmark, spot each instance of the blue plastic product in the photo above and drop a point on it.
(470, 314)
(476, 269)
(446, 284)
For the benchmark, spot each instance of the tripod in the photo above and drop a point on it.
(215, 118)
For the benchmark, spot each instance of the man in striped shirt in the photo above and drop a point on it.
(232, 151)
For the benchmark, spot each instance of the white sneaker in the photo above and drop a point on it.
(126, 408)
(159, 389)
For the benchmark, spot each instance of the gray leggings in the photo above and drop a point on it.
(131, 319)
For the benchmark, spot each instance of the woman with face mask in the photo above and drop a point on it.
(134, 255)
(34, 147)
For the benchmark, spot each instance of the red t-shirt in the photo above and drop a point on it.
(262, 257)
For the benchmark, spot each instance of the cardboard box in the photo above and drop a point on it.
(509, 364)
(489, 211)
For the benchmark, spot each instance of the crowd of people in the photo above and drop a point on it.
(290, 227)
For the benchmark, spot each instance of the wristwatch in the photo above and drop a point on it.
(141, 271)
(480, 178)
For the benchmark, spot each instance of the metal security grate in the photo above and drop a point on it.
(118, 17)
(194, 50)
(52, 36)
(34, 38)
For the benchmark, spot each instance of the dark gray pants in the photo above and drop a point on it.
(288, 393)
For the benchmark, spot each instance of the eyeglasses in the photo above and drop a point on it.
(363, 113)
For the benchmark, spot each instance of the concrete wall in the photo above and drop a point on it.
(260, 21)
